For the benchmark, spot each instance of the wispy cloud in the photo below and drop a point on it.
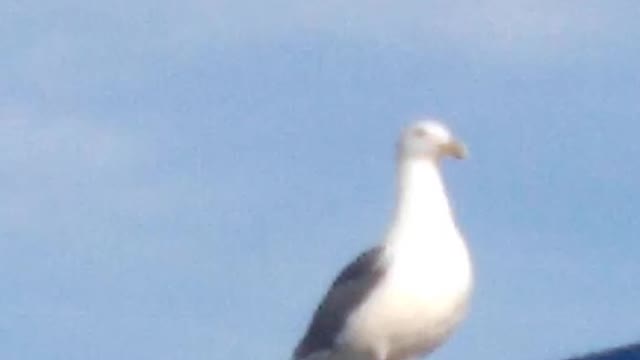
(48, 165)
(482, 28)
(78, 175)
(500, 30)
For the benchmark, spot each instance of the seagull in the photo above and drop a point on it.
(402, 298)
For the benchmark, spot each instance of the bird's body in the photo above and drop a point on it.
(403, 298)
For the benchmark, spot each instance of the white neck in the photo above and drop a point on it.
(422, 204)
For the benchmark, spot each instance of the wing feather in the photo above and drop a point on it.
(347, 292)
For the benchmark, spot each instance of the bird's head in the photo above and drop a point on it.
(429, 139)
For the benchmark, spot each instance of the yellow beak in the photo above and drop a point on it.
(455, 148)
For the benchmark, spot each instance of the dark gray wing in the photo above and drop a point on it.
(348, 291)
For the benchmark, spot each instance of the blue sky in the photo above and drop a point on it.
(183, 181)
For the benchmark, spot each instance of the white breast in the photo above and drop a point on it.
(425, 289)
(420, 300)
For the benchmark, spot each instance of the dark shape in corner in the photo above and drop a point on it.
(629, 352)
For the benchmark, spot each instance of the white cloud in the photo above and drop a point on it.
(488, 27)
(69, 174)
(124, 38)
(39, 145)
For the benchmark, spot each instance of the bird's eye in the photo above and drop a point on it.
(419, 133)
